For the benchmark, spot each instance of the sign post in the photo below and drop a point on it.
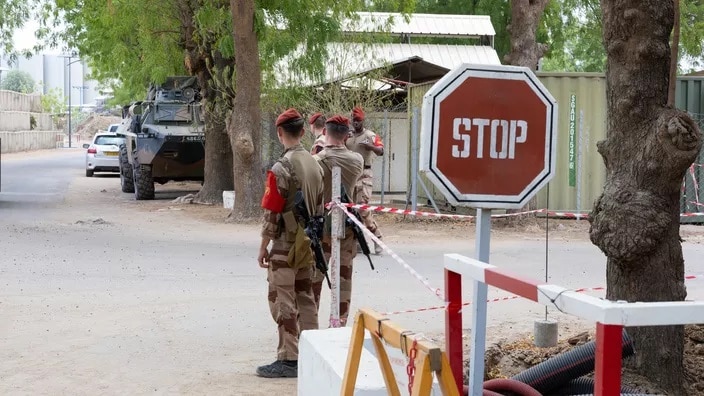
(488, 142)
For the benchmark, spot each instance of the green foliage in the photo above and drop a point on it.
(129, 42)
(53, 102)
(77, 118)
(18, 81)
(583, 50)
(13, 15)
(691, 34)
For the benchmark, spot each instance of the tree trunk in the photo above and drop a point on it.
(218, 175)
(525, 17)
(525, 51)
(244, 125)
(649, 145)
(218, 156)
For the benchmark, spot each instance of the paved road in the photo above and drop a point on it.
(100, 294)
(37, 182)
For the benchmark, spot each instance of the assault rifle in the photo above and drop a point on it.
(314, 230)
(358, 234)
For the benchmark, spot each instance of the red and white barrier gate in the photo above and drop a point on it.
(610, 317)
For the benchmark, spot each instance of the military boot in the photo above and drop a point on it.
(279, 369)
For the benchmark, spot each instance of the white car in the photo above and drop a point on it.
(102, 154)
(113, 128)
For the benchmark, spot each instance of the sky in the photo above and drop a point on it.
(24, 38)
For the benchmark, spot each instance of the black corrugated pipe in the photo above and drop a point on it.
(557, 371)
(582, 385)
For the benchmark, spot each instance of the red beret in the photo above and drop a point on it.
(358, 114)
(338, 119)
(288, 115)
(314, 117)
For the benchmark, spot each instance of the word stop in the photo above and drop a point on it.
(500, 147)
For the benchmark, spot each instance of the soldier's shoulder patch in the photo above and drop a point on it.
(272, 199)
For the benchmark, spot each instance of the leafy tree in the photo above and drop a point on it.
(18, 81)
(13, 15)
(299, 32)
(53, 102)
(648, 148)
(136, 43)
(583, 50)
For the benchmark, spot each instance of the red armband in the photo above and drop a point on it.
(377, 141)
(272, 200)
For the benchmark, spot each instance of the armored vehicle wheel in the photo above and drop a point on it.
(143, 182)
(126, 176)
(89, 173)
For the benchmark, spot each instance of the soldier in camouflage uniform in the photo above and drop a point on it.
(290, 261)
(335, 153)
(317, 127)
(369, 145)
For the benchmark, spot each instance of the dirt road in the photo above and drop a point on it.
(104, 295)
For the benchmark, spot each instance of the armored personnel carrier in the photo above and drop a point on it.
(164, 138)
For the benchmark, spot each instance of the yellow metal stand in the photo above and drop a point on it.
(426, 358)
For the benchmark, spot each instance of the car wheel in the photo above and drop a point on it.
(126, 176)
(89, 173)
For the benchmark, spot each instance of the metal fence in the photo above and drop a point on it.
(692, 199)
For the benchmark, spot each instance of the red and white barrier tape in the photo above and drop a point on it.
(436, 291)
(563, 215)
(581, 290)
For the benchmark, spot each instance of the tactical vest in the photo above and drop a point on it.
(353, 144)
(292, 225)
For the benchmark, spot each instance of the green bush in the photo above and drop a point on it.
(18, 81)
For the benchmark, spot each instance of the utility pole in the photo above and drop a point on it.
(70, 88)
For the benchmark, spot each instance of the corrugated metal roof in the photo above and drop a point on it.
(350, 59)
(438, 25)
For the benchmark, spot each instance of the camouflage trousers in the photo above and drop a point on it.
(364, 195)
(291, 300)
(348, 251)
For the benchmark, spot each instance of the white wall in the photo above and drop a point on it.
(16, 113)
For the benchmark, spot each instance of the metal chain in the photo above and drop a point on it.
(411, 368)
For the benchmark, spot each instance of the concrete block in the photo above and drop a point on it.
(322, 355)
(15, 101)
(545, 333)
(15, 141)
(14, 121)
(228, 199)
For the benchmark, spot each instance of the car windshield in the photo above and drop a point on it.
(109, 140)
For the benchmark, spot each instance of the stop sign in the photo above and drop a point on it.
(487, 138)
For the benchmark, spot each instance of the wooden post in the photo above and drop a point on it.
(423, 382)
(385, 365)
(353, 355)
(337, 233)
(429, 358)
